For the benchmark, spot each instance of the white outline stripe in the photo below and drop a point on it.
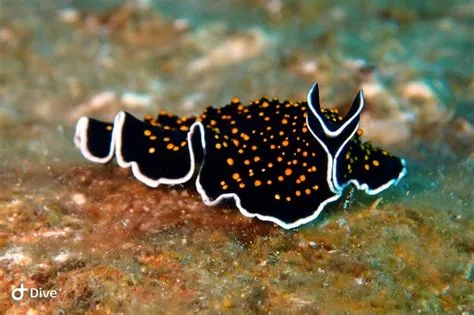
(80, 141)
(262, 217)
(117, 135)
(334, 170)
(364, 187)
(329, 156)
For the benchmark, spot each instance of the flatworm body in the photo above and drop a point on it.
(280, 161)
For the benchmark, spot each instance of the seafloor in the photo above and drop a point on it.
(109, 244)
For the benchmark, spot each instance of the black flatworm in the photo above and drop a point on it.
(280, 161)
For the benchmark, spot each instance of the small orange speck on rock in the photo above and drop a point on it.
(227, 303)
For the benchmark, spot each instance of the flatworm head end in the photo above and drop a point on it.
(351, 160)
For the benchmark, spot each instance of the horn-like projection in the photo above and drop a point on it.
(334, 129)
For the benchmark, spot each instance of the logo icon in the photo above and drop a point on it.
(19, 293)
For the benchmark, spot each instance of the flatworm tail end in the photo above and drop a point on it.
(155, 154)
(94, 139)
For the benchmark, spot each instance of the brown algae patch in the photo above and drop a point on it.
(111, 244)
